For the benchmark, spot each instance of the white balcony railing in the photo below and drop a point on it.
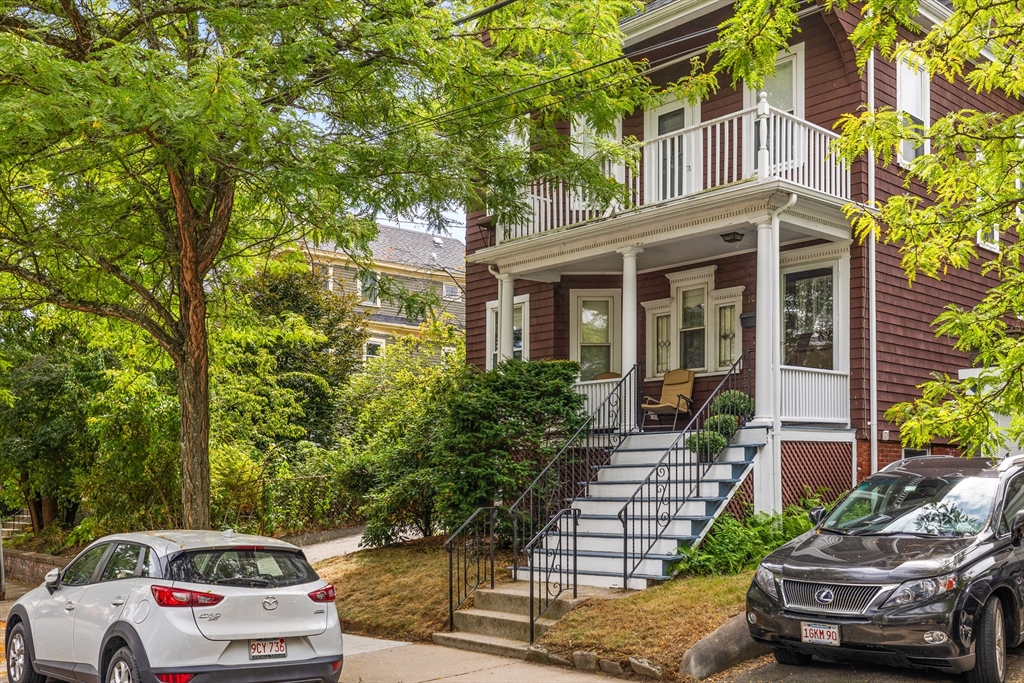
(596, 392)
(812, 395)
(704, 157)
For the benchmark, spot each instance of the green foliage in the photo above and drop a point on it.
(733, 402)
(726, 425)
(83, 534)
(707, 445)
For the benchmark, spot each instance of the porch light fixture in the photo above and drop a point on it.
(732, 237)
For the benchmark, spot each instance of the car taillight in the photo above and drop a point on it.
(325, 594)
(175, 678)
(180, 597)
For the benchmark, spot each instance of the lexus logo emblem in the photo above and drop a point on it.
(825, 596)
(271, 603)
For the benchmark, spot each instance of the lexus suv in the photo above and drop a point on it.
(920, 565)
(178, 607)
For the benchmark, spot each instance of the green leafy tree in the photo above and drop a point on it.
(146, 144)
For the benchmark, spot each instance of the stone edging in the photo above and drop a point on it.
(589, 661)
(30, 567)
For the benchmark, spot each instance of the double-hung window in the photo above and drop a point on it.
(595, 331)
(451, 293)
(785, 91)
(369, 288)
(693, 329)
(913, 99)
(585, 142)
(374, 348)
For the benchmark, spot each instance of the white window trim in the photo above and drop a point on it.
(924, 81)
(614, 325)
(796, 54)
(521, 300)
(458, 293)
(582, 140)
(671, 103)
(654, 310)
(837, 255)
(751, 97)
(363, 300)
(374, 340)
(993, 246)
(927, 451)
(714, 299)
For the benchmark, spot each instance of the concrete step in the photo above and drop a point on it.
(515, 599)
(474, 642)
(610, 524)
(500, 624)
(623, 490)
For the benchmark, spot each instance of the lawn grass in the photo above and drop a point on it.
(659, 623)
(399, 592)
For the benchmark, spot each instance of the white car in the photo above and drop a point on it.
(178, 607)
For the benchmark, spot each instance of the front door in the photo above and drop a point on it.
(54, 620)
(102, 604)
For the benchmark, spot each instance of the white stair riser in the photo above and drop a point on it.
(637, 474)
(679, 527)
(598, 506)
(614, 545)
(592, 564)
(611, 582)
(650, 458)
(600, 490)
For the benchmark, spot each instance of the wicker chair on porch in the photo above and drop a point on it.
(676, 396)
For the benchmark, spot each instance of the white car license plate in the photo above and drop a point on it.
(819, 634)
(268, 648)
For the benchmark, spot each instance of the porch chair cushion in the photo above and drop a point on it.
(608, 375)
(676, 394)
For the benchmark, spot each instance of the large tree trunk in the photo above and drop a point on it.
(194, 398)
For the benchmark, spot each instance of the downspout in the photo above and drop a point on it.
(872, 303)
(777, 353)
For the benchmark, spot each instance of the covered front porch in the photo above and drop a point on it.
(757, 269)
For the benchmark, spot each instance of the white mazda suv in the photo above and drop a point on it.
(178, 607)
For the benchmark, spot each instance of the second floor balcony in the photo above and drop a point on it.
(755, 144)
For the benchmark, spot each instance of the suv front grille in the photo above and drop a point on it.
(846, 599)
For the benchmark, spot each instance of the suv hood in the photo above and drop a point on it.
(829, 557)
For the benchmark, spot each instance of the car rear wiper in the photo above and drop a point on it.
(255, 583)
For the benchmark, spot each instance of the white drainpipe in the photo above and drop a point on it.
(777, 356)
(872, 303)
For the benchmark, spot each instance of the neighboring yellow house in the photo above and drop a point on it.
(420, 261)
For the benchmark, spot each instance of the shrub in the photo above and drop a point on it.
(726, 425)
(733, 402)
(706, 444)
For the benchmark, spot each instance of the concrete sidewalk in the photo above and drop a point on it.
(368, 660)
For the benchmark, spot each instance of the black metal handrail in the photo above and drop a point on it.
(465, 558)
(677, 476)
(576, 465)
(548, 559)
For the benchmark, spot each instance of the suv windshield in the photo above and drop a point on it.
(255, 567)
(904, 503)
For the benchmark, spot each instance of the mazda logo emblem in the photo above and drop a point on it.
(825, 596)
(270, 603)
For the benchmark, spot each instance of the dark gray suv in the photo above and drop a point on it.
(921, 565)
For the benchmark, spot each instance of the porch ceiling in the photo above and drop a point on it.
(683, 231)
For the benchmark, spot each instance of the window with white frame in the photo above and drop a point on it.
(374, 348)
(585, 143)
(672, 158)
(808, 317)
(369, 288)
(698, 328)
(785, 91)
(913, 99)
(324, 272)
(451, 293)
(520, 330)
(594, 331)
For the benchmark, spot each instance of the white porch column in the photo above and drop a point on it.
(629, 307)
(506, 316)
(763, 334)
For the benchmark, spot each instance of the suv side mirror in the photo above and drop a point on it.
(52, 580)
(1017, 528)
(817, 514)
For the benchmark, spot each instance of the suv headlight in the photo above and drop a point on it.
(922, 589)
(765, 579)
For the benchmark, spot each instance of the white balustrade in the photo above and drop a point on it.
(813, 395)
(697, 159)
(596, 391)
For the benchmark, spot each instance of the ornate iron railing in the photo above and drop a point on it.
(677, 476)
(551, 571)
(575, 466)
(470, 558)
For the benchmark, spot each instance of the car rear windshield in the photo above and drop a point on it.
(255, 567)
(911, 504)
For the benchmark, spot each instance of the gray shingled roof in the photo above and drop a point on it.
(418, 249)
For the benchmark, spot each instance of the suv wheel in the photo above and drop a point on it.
(123, 668)
(990, 665)
(19, 664)
(790, 658)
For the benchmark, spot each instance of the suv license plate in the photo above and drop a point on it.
(268, 648)
(819, 634)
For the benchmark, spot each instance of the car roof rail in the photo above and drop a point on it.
(1011, 461)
